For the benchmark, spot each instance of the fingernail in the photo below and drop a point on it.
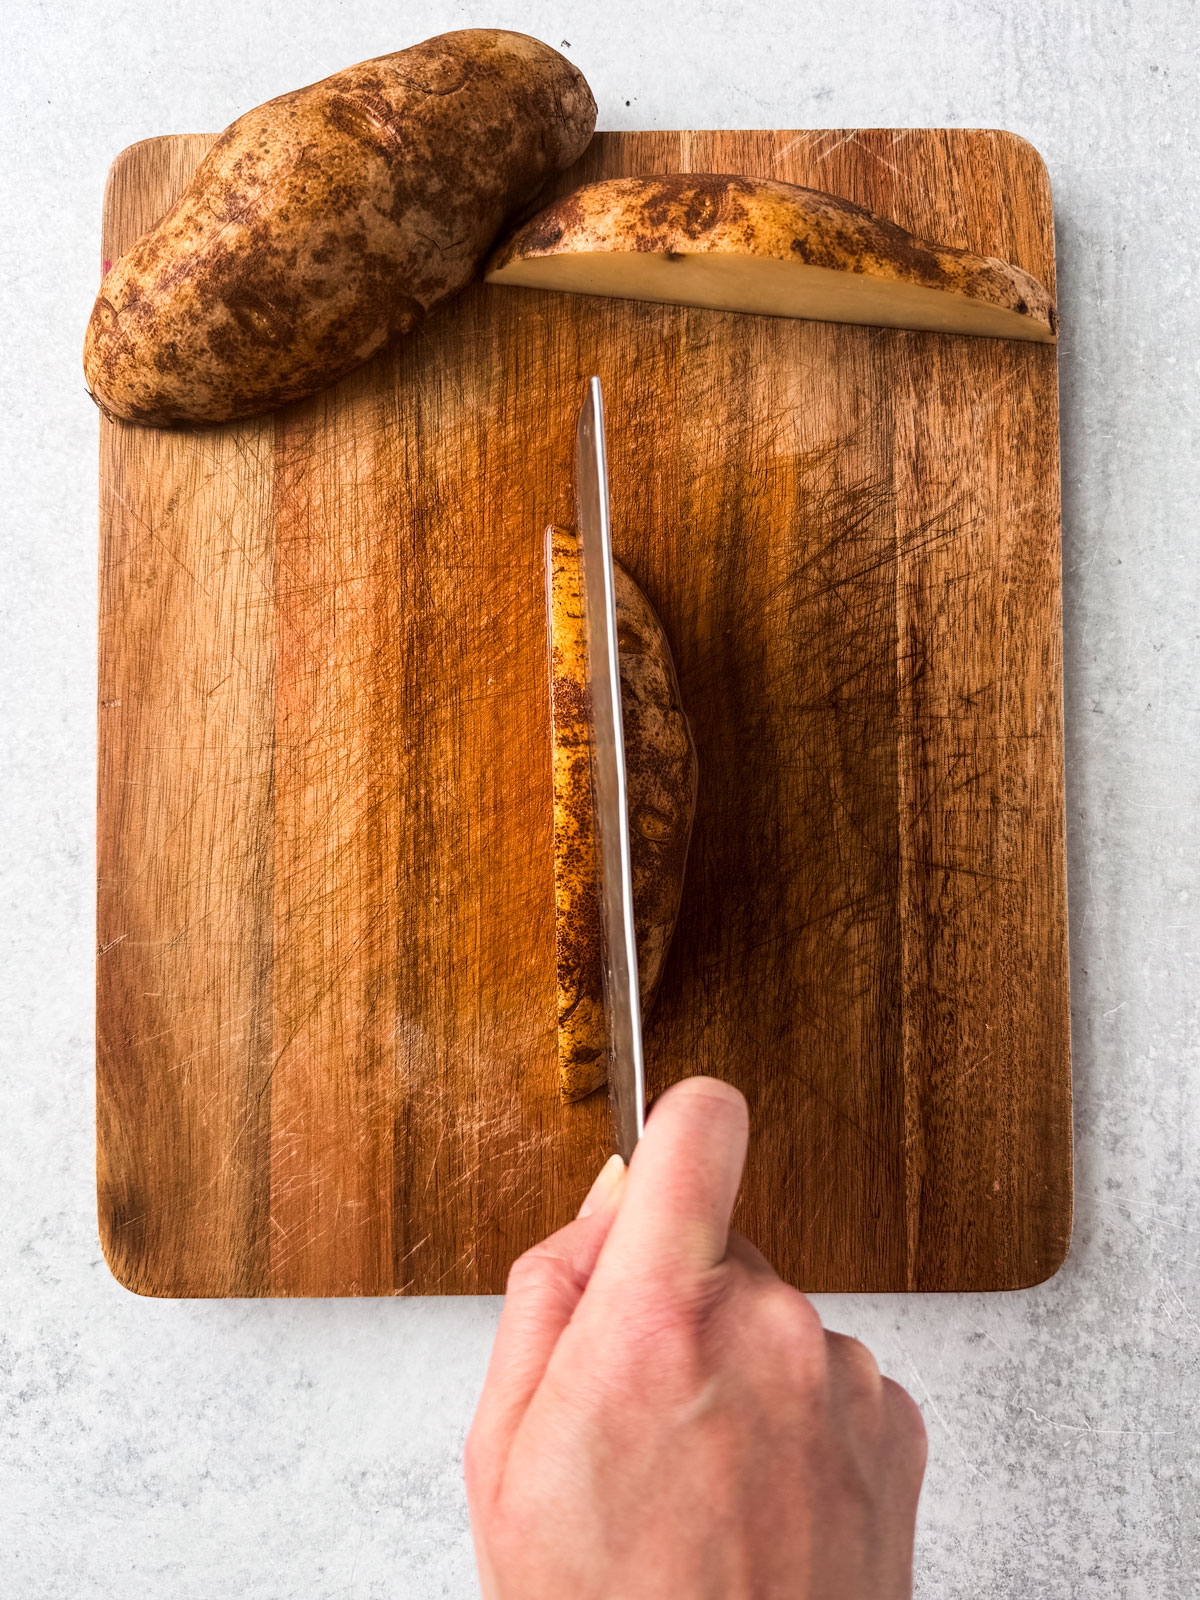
(612, 1175)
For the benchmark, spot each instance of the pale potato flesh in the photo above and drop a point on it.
(769, 288)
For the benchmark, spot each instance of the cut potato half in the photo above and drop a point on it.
(750, 244)
(660, 761)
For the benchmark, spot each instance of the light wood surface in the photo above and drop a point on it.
(326, 991)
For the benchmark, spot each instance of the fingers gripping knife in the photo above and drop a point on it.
(622, 1006)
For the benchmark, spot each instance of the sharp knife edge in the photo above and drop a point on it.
(622, 1003)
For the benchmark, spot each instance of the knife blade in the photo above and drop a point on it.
(622, 1004)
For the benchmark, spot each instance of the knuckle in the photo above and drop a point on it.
(904, 1415)
(793, 1317)
(853, 1360)
(541, 1267)
(798, 1308)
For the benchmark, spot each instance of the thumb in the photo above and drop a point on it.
(682, 1186)
(544, 1287)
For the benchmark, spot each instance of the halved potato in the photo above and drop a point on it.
(660, 761)
(750, 244)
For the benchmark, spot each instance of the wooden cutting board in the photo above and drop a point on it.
(326, 979)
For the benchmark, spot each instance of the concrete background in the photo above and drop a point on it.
(194, 1450)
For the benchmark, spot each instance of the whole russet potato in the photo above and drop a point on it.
(328, 220)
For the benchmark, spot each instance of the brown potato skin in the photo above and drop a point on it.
(697, 212)
(661, 768)
(328, 220)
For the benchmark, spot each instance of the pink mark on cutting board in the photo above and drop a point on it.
(107, 264)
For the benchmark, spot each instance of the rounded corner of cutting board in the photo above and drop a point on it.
(1040, 1272)
(127, 1270)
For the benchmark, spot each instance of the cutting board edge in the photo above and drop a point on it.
(143, 1284)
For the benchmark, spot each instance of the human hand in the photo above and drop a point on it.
(664, 1417)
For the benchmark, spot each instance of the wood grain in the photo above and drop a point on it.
(326, 1035)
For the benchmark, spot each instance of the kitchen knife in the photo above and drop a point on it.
(622, 1005)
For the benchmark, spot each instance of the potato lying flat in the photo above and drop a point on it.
(749, 244)
(324, 222)
(660, 762)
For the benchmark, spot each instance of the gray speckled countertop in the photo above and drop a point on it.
(268, 1450)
